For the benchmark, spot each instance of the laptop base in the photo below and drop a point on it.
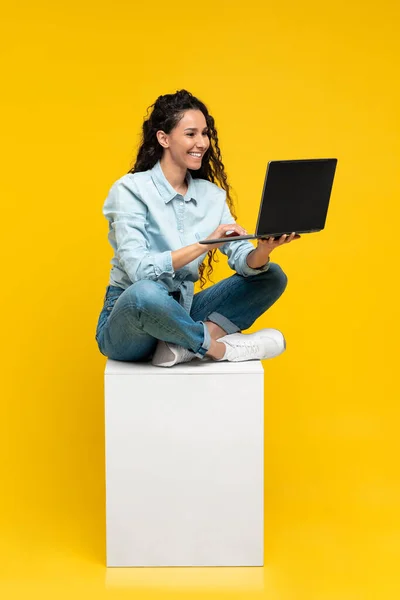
(233, 238)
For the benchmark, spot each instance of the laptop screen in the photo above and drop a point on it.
(296, 195)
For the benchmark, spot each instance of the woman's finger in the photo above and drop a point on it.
(284, 239)
(231, 227)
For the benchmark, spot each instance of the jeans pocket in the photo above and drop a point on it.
(112, 295)
(101, 321)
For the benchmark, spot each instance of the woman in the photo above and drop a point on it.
(157, 213)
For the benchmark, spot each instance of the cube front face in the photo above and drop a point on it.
(184, 469)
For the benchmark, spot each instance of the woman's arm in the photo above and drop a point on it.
(127, 216)
(185, 255)
(241, 254)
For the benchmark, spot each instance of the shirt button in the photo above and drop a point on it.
(181, 203)
(181, 230)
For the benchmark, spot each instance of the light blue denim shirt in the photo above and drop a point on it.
(148, 219)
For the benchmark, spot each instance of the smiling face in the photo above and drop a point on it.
(188, 141)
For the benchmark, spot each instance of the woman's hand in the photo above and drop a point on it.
(220, 232)
(259, 257)
(267, 245)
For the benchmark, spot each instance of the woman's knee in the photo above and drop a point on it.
(145, 293)
(278, 276)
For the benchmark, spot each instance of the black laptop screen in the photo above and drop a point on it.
(296, 195)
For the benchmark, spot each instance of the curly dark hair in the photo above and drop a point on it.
(166, 114)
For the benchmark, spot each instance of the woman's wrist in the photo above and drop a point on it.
(256, 259)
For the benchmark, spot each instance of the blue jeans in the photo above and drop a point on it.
(133, 320)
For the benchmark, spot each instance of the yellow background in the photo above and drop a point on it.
(283, 80)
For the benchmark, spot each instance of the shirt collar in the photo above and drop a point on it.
(166, 190)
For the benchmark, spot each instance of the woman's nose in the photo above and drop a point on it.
(201, 143)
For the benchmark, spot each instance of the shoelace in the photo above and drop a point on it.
(249, 347)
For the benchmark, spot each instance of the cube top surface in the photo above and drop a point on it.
(196, 366)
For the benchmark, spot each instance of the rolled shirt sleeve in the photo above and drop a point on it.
(127, 217)
(237, 251)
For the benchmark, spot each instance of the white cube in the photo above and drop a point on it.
(184, 464)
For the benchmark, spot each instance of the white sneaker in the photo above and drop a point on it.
(260, 345)
(167, 355)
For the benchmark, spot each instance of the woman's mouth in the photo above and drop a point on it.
(196, 155)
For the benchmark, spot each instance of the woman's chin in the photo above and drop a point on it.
(193, 165)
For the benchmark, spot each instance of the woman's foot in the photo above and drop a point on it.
(168, 355)
(234, 347)
(263, 344)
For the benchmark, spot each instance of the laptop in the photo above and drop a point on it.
(295, 198)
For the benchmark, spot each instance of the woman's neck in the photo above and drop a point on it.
(175, 174)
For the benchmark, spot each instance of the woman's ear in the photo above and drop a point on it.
(162, 138)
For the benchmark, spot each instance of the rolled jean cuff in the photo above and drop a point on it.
(223, 322)
(206, 343)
